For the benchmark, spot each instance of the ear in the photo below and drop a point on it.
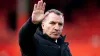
(42, 25)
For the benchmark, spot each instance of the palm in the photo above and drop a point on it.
(38, 12)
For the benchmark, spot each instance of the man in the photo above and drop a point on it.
(41, 34)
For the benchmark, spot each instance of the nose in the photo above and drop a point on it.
(57, 27)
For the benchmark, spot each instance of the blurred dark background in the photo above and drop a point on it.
(82, 24)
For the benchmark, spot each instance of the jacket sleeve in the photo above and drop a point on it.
(26, 39)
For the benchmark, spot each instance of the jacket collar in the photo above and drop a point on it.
(45, 36)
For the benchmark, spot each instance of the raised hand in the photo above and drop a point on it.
(38, 12)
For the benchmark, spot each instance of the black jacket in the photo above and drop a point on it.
(33, 42)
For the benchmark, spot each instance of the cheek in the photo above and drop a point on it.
(61, 29)
(47, 28)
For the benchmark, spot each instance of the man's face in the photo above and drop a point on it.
(53, 25)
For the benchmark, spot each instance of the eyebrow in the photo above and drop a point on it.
(56, 22)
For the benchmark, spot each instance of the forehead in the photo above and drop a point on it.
(54, 17)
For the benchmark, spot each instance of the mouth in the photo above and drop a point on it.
(56, 33)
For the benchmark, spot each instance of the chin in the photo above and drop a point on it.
(55, 37)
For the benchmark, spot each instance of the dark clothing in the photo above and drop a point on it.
(33, 42)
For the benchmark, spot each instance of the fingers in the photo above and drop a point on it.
(44, 4)
(35, 6)
(40, 5)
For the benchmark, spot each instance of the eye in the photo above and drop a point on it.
(52, 23)
(60, 24)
